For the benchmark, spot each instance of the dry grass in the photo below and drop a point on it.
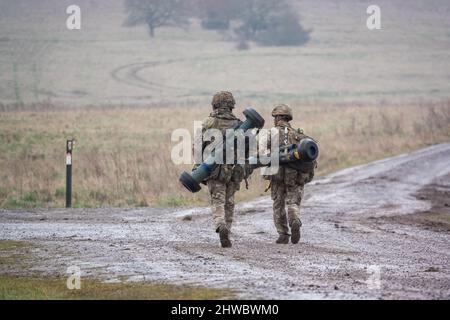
(122, 157)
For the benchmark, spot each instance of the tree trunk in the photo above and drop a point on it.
(151, 30)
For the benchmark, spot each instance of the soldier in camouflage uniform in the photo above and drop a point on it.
(225, 179)
(288, 183)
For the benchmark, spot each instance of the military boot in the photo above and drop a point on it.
(295, 231)
(224, 235)
(283, 239)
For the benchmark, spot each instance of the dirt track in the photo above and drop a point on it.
(355, 223)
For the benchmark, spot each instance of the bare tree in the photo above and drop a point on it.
(155, 14)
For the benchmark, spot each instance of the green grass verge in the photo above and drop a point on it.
(15, 255)
(29, 288)
(10, 244)
(443, 217)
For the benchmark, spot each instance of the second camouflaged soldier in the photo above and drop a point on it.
(288, 183)
(225, 179)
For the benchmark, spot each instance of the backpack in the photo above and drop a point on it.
(224, 172)
(292, 136)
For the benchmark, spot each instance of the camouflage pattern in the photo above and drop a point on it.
(288, 135)
(223, 99)
(287, 185)
(287, 195)
(222, 202)
(225, 179)
(282, 110)
(223, 119)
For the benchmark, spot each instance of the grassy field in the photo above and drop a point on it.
(106, 63)
(363, 94)
(122, 155)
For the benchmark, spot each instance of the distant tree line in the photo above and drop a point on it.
(265, 22)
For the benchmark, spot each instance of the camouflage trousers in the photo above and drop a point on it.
(283, 196)
(221, 195)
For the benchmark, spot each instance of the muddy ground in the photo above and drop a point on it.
(379, 230)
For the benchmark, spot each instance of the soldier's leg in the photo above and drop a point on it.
(232, 187)
(294, 196)
(278, 194)
(217, 192)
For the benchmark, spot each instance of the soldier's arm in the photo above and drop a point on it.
(198, 141)
(264, 142)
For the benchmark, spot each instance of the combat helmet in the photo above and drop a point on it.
(223, 99)
(282, 110)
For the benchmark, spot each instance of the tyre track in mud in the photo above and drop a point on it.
(350, 246)
(129, 74)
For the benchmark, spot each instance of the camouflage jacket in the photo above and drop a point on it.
(222, 119)
(287, 174)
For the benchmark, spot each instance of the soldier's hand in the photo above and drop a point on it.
(310, 177)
